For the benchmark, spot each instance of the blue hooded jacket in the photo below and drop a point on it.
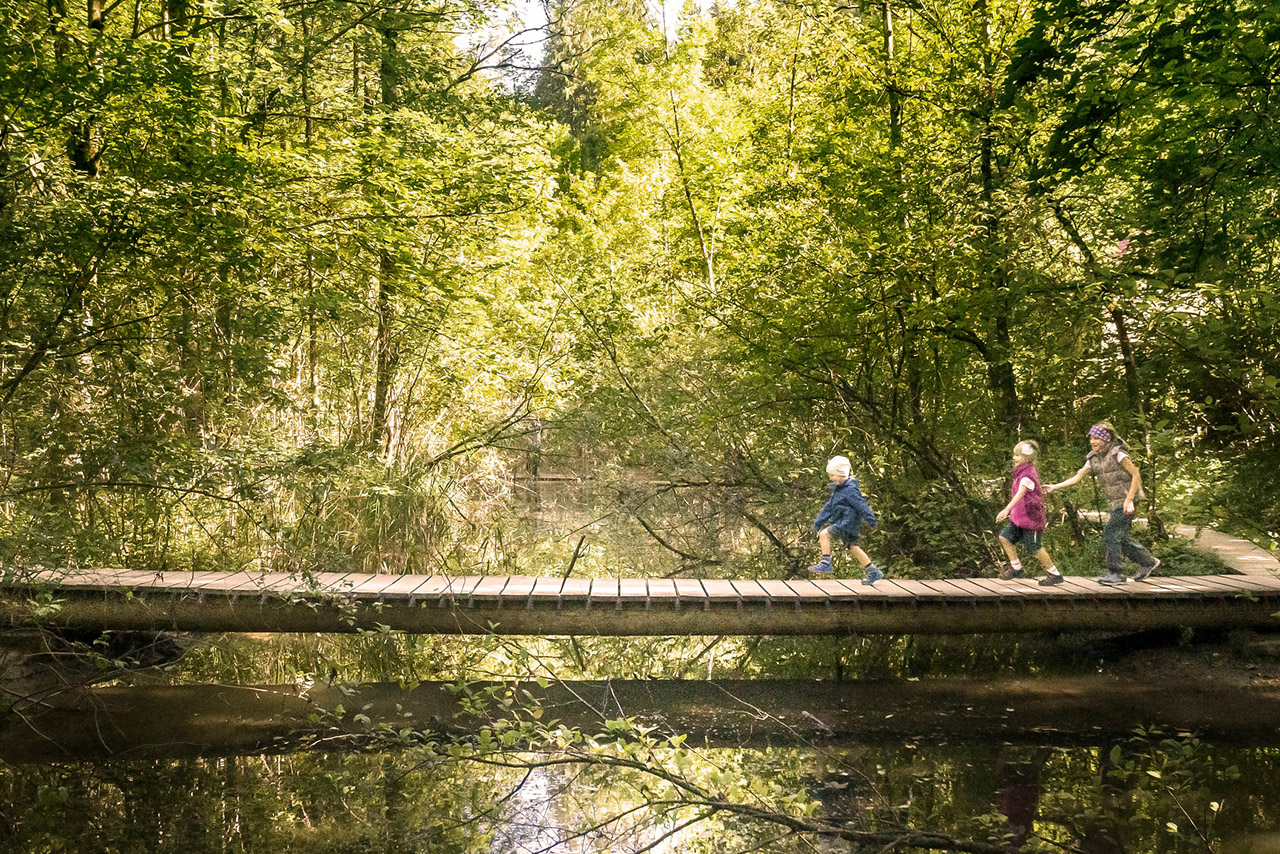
(845, 510)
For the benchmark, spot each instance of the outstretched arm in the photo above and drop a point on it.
(1071, 481)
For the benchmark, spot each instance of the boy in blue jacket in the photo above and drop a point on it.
(842, 516)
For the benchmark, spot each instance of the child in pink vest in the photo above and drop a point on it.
(1027, 519)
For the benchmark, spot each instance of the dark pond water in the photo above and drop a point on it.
(1138, 795)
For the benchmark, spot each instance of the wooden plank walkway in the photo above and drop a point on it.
(339, 602)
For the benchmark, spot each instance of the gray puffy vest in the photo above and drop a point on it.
(1111, 476)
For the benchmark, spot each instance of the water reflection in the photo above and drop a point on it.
(528, 824)
(1139, 795)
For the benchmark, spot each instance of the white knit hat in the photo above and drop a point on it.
(840, 466)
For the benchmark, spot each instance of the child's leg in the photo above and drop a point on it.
(1014, 569)
(1042, 555)
(824, 563)
(873, 573)
(1009, 551)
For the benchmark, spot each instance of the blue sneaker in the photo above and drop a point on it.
(1112, 578)
(823, 567)
(873, 574)
(1142, 573)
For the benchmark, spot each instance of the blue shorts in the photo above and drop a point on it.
(849, 540)
(1031, 540)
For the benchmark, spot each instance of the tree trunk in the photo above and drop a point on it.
(386, 350)
(83, 147)
(1000, 374)
(891, 84)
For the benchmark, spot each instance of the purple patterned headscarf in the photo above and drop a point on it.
(1098, 431)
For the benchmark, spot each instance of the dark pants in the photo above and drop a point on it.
(1118, 545)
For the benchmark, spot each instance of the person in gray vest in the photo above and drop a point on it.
(1115, 471)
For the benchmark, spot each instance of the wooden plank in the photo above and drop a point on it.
(227, 583)
(1141, 600)
(1180, 585)
(359, 585)
(1264, 581)
(449, 588)
(691, 593)
(1192, 585)
(898, 588)
(721, 592)
(106, 575)
(166, 582)
(141, 579)
(402, 585)
(577, 589)
(1245, 583)
(1082, 586)
(633, 591)
(663, 590)
(546, 591)
(1087, 587)
(1032, 589)
(749, 590)
(197, 580)
(943, 588)
(514, 595)
(278, 583)
(121, 580)
(967, 587)
(97, 579)
(999, 589)
(838, 590)
(253, 584)
(604, 591)
(432, 588)
(323, 583)
(488, 591)
(377, 586)
(181, 582)
(857, 591)
(780, 593)
(1241, 555)
(806, 590)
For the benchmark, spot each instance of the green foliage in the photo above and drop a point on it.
(323, 287)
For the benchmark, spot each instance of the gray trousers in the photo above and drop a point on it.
(1117, 544)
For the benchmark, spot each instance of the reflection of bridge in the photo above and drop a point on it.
(337, 602)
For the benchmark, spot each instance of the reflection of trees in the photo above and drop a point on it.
(689, 803)
(636, 794)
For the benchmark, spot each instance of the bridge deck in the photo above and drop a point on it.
(264, 602)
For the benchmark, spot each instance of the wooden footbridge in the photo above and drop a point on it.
(525, 605)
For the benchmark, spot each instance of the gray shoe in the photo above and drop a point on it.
(1144, 571)
(1052, 578)
(1112, 578)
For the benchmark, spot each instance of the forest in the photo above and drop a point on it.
(305, 284)
(371, 285)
